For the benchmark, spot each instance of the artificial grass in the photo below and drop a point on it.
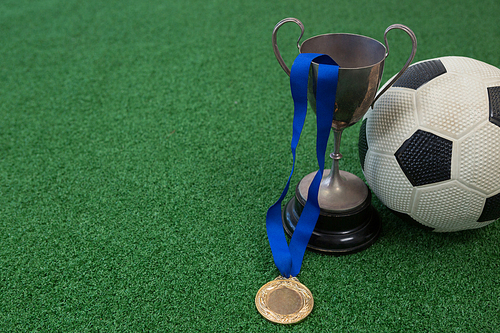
(141, 144)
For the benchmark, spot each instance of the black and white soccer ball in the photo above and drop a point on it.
(430, 147)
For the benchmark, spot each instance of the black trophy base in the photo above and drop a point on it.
(337, 233)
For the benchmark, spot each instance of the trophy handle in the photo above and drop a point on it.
(275, 43)
(410, 59)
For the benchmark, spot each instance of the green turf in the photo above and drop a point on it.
(141, 143)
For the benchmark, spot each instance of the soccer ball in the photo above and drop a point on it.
(430, 147)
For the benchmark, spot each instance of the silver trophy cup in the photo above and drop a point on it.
(347, 223)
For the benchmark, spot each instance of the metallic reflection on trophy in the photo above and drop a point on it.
(348, 223)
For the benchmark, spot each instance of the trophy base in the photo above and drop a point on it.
(336, 232)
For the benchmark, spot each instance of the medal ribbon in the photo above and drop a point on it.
(288, 257)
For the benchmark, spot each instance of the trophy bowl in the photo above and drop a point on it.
(348, 223)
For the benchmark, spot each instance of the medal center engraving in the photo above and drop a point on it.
(284, 301)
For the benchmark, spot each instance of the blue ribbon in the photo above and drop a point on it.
(288, 257)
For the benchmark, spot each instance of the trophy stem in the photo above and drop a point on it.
(334, 175)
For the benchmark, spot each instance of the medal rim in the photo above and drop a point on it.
(290, 283)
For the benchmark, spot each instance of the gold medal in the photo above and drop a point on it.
(284, 301)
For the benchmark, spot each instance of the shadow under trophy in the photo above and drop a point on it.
(348, 223)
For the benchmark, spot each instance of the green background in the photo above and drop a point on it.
(141, 143)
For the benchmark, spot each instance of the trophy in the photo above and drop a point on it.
(348, 223)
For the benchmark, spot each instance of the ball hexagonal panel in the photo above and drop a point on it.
(494, 101)
(392, 120)
(463, 65)
(479, 165)
(406, 217)
(420, 73)
(448, 207)
(425, 158)
(444, 107)
(388, 181)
